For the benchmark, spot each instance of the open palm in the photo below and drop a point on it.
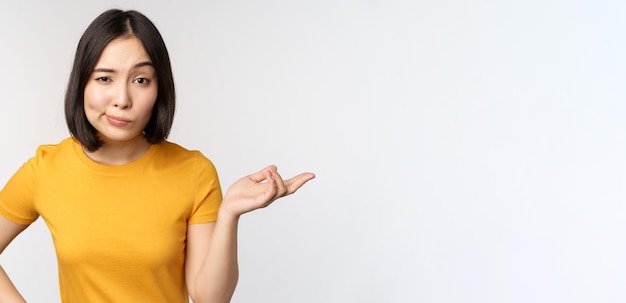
(260, 189)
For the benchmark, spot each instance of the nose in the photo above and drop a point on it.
(123, 99)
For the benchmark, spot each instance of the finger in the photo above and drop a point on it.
(281, 188)
(296, 182)
(262, 174)
(270, 193)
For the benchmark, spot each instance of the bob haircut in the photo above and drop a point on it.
(110, 25)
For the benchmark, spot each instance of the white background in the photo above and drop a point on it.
(466, 151)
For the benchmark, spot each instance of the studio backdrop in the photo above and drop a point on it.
(465, 151)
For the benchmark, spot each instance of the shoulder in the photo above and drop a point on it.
(48, 152)
(175, 154)
(64, 144)
(46, 157)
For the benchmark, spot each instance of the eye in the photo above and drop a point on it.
(103, 79)
(143, 81)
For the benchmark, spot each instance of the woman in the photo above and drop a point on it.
(133, 217)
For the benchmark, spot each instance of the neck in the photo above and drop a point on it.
(120, 153)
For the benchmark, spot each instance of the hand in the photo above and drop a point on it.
(259, 190)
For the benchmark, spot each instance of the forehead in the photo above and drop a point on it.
(123, 51)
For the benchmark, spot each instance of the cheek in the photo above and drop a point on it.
(146, 102)
(92, 98)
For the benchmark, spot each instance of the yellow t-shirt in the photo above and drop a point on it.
(119, 231)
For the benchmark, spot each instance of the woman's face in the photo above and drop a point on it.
(121, 91)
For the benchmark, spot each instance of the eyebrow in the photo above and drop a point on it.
(110, 70)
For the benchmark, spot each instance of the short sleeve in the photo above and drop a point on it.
(209, 193)
(17, 202)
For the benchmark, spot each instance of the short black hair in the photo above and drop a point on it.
(109, 25)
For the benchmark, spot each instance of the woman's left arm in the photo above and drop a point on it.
(211, 268)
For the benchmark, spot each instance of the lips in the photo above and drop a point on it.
(118, 121)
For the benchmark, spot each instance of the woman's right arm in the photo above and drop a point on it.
(8, 231)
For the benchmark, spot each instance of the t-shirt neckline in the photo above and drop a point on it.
(130, 167)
